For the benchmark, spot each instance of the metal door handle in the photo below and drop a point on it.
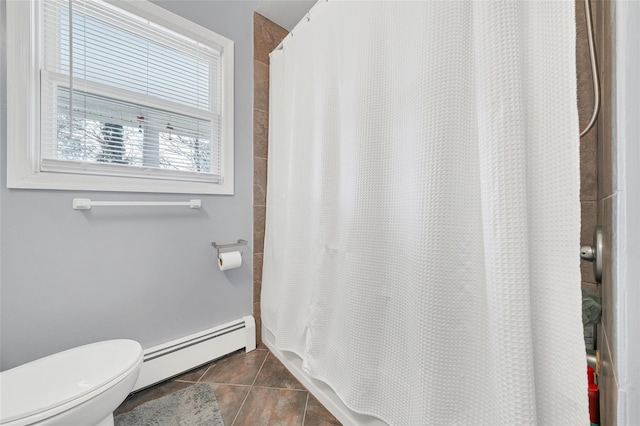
(594, 253)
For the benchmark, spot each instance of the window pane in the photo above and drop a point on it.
(109, 131)
(184, 153)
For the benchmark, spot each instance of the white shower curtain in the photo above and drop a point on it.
(422, 231)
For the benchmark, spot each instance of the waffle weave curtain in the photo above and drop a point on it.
(423, 214)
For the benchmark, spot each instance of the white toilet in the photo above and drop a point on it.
(80, 386)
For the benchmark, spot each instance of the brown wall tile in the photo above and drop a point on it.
(257, 276)
(257, 314)
(260, 86)
(259, 181)
(589, 165)
(260, 134)
(266, 37)
(589, 213)
(258, 228)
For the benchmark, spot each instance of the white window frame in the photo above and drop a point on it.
(23, 107)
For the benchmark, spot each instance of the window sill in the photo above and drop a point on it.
(77, 182)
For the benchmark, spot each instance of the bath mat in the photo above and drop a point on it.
(193, 406)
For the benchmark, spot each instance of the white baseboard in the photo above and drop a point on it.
(177, 356)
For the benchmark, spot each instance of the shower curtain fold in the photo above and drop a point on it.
(423, 210)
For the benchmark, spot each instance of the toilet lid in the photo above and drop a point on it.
(57, 379)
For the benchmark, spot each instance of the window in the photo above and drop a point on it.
(121, 96)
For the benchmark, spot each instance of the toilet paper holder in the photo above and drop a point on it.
(219, 247)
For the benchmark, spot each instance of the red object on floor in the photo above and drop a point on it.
(594, 398)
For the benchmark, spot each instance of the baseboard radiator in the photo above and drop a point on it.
(177, 356)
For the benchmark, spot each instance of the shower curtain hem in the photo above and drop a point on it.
(275, 349)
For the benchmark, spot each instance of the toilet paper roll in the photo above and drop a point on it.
(229, 260)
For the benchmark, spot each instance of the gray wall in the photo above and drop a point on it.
(69, 278)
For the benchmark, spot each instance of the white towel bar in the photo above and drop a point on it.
(86, 203)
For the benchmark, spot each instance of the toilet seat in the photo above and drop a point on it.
(52, 385)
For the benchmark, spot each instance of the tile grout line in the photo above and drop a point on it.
(241, 405)
(203, 374)
(225, 384)
(245, 386)
(251, 387)
(286, 389)
(261, 367)
(306, 404)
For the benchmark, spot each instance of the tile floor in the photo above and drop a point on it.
(251, 388)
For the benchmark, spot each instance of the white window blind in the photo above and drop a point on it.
(122, 96)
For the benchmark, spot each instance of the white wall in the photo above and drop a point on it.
(286, 13)
(627, 134)
(68, 277)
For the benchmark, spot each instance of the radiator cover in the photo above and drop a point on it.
(172, 358)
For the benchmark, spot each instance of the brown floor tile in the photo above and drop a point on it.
(266, 406)
(239, 368)
(230, 399)
(274, 375)
(317, 415)
(154, 392)
(193, 375)
(277, 398)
